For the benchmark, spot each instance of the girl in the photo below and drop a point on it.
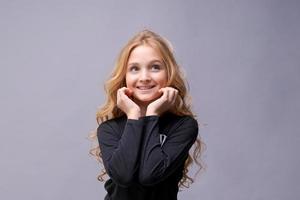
(146, 125)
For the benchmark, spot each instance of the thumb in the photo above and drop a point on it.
(161, 90)
(128, 92)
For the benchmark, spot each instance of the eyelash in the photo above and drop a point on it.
(155, 66)
(133, 68)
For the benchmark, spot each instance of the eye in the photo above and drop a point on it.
(155, 67)
(133, 68)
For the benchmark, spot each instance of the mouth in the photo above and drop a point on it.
(145, 87)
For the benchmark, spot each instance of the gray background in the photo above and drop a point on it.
(242, 62)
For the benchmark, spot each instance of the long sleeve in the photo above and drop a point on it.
(120, 151)
(159, 161)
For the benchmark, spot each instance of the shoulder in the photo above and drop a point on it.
(112, 125)
(182, 123)
(186, 120)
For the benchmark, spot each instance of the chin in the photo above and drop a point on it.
(145, 99)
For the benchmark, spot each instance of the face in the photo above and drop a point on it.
(145, 75)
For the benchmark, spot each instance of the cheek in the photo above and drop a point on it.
(162, 79)
(129, 81)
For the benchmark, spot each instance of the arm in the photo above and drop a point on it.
(158, 162)
(120, 151)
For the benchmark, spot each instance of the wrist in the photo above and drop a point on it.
(134, 115)
(151, 112)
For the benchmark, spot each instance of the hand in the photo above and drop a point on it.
(128, 106)
(164, 103)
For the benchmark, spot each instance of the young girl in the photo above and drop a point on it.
(146, 125)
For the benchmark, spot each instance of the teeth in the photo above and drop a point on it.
(145, 87)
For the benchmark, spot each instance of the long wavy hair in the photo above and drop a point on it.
(175, 79)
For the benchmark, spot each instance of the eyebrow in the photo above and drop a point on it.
(152, 61)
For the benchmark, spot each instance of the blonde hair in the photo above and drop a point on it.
(175, 79)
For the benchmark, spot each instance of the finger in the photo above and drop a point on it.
(127, 91)
(175, 96)
(126, 94)
(161, 90)
(121, 94)
(172, 94)
(166, 94)
(123, 91)
(118, 94)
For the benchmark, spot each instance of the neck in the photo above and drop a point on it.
(143, 110)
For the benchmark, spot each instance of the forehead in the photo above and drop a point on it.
(144, 53)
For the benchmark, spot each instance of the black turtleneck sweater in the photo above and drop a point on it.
(145, 158)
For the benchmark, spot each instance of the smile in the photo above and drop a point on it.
(145, 87)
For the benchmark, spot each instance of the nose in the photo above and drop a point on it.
(145, 76)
